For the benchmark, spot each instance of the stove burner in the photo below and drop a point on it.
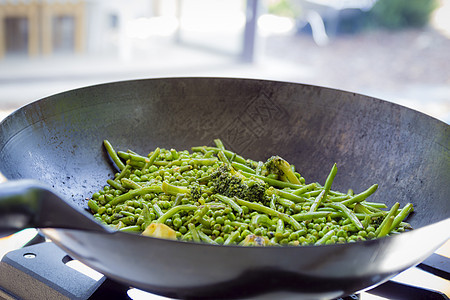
(40, 271)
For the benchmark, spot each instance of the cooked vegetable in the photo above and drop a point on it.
(160, 231)
(213, 195)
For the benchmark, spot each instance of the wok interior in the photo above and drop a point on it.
(58, 140)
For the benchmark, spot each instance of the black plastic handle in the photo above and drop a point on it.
(30, 204)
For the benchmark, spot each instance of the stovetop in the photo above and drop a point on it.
(41, 270)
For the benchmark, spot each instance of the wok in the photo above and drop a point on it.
(58, 141)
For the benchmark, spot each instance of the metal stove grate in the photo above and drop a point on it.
(40, 271)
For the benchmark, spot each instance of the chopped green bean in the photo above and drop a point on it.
(194, 232)
(230, 202)
(112, 153)
(401, 215)
(361, 196)
(383, 226)
(326, 189)
(168, 214)
(348, 213)
(133, 193)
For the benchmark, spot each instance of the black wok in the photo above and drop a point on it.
(58, 141)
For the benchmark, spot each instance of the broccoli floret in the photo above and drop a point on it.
(194, 191)
(276, 165)
(229, 182)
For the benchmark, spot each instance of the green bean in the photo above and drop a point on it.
(361, 196)
(146, 216)
(137, 192)
(375, 205)
(123, 155)
(138, 158)
(348, 213)
(366, 221)
(132, 228)
(306, 188)
(205, 238)
(360, 208)
(198, 215)
(157, 210)
(266, 210)
(406, 225)
(273, 182)
(178, 199)
(337, 198)
(136, 164)
(194, 232)
(280, 226)
(127, 183)
(259, 167)
(238, 224)
(126, 213)
(125, 172)
(311, 215)
(392, 212)
(128, 220)
(231, 238)
(401, 215)
(219, 144)
(273, 200)
(386, 228)
(230, 202)
(242, 167)
(174, 153)
(286, 203)
(326, 189)
(168, 214)
(262, 219)
(221, 155)
(289, 196)
(313, 193)
(174, 190)
(325, 237)
(228, 153)
(152, 158)
(93, 205)
(116, 185)
(112, 153)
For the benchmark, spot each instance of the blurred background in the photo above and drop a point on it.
(396, 50)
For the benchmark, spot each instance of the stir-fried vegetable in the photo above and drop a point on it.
(212, 195)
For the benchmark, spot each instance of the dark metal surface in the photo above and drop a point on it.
(31, 204)
(40, 272)
(58, 140)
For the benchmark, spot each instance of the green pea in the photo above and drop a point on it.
(219, 240)
(227, 229)
(152, 169)
(182, 229)
(370, 229)
(293, 236)
(220, 220)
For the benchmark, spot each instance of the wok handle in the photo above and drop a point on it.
(30, 204)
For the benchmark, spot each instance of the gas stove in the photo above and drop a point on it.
(41, 270)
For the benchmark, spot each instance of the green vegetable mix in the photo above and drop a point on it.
(213, 195)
